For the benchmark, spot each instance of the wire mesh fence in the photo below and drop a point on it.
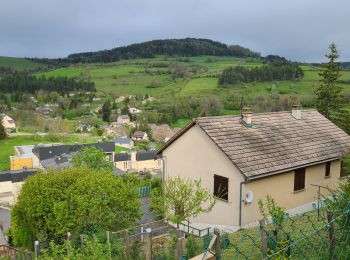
(319, 234)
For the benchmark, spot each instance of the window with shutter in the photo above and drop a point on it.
(221, 187)
(328, 169)
(299, 179)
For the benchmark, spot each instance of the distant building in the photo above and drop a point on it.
(134, 110)
(148, 100)
(124, 142)
(7, 121)
(138, 162)
(11, 183)
(119, 99)
(139, 136)
(123, 120)
(53, 156)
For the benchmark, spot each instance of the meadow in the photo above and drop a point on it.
(152, 77)
(20, 63)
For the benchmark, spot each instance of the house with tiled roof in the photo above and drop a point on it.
(8, 122)
(242, 159)
(142, 161)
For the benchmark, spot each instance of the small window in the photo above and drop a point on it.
(343, 172)
(299, 179)
(328, 169)
(221, 187)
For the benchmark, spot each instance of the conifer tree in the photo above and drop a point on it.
(328, 93)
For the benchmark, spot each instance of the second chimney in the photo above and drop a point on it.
(296, 112)
(246, 117)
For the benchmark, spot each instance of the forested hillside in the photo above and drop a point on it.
(189, 47)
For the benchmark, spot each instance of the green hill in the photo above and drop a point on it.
(154, 76)
(20, 63)
(188, 47)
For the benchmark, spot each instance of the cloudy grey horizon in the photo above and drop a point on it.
(298, 30)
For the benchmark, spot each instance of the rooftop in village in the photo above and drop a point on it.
(269, 143)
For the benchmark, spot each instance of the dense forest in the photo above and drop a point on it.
(276, 68)
(171, 47)
(25, 83)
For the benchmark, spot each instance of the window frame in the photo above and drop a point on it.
(297, 174)
(327, 172)
(223, 197)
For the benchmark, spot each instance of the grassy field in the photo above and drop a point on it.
(138, 75)
(119, 149)
(19, 63)
(7, 145)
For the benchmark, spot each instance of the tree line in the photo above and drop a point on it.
(24, 83)
(169, 47)
(269, 72)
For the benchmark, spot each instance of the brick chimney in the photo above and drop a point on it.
(246, 117)
(296, 112)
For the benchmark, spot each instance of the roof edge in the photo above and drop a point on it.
(268, 174)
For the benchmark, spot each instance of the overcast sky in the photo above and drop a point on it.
(297, 29)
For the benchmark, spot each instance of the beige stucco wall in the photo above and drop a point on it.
(195, 156)
(145, 165)
(281, 188)
(9, 192)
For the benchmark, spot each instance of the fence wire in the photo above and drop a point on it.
(319, 234)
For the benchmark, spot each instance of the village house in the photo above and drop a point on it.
(11, 183)
(123, 142)
(139, 136)
(55, 156)
(144, 161)
(123, 119)
(134, 110)
(163, 132)
(7, 121)
(119, 99)
(243, 159)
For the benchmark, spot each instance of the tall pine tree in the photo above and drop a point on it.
(3, 133)
(328, 93)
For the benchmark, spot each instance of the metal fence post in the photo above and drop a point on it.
(148, 237)
(127, 244)
(218, 243)
(331, 234)
(81, 242)
(107, 237)
(263, 238)
(36, 249)
(69, 242)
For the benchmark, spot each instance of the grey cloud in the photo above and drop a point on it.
(297, 29)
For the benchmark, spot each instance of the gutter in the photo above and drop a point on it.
(240, 201)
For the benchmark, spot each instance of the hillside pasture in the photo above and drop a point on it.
(20, 63)
(151, 76)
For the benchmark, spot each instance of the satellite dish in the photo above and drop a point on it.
(249, 197)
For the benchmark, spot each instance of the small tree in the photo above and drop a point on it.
(92, 158)
(182, 199)
(3, 133)
(106, 111)
(328, 93)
